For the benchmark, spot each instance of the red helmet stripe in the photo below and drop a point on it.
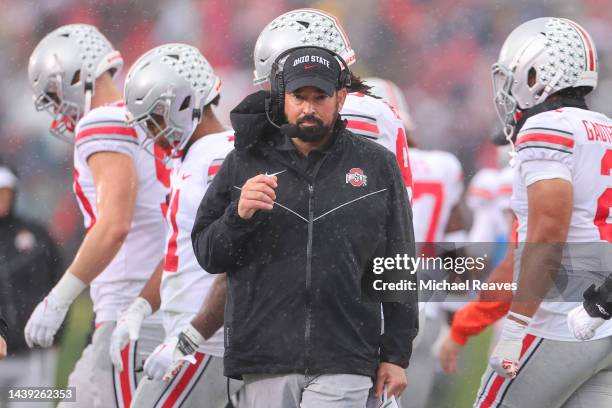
(587, 42)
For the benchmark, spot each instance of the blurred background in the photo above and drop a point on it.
(438, 51)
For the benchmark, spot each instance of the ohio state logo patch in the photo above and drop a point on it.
(356, 177)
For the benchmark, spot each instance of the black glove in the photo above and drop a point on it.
(598, 300)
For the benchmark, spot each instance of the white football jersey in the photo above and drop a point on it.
(184, 283)
(438, 186)
(376, 120)
(504, 188)
(482, 190)
(485, 196)
(576, 145)
(105, 129)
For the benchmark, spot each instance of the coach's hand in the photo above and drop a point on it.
(391, 375)
(257, 194)
(128, 329)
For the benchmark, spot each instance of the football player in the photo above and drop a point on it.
(120, 189)
(437, 191)
(367, 116)
(561, 193)
(171, 92)
(488, 196)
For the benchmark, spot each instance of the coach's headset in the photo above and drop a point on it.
(275, 104)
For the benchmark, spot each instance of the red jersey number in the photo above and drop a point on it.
(604, 203)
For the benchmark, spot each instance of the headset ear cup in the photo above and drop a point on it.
(347, 78)
(273, 91)
(280, 107)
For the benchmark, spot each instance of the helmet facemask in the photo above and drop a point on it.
(65, 114)
(62, 71)
(506, 105)
(160, 130)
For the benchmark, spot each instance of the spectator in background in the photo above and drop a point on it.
(29, 267)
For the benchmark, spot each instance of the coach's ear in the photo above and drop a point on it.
(341, 97)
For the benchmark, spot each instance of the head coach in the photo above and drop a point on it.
(295, 216)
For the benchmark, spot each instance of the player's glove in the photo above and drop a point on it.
(51, 312)
(128, 328)
(505, 357)
(45, 321)
(584, 320)
(168, 358)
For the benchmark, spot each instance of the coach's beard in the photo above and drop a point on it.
(313, 133)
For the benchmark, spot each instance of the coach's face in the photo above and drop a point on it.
(313, 111)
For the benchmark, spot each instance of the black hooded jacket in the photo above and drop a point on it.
(30, 265)
(295, 273)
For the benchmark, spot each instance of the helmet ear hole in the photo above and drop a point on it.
(531, 77)
(76, 77)
(185, 103)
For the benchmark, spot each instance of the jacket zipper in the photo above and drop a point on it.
(308, 295)
(308, 276)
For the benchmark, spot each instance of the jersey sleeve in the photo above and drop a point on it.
(212, 169)
(362, 118)
(374, 119)
(475, 317)
(217, 156)
(105, 130)
(545, 147)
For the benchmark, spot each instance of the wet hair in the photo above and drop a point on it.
(578, 92)
(358, 85)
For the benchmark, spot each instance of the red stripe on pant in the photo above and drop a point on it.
(124, 376)
(181, 386)
(499, 380)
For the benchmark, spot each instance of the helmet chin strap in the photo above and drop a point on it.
(88, 96)
(509, 133)
(549, 87)
(197, 118)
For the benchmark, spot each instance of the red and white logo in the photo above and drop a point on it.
(356, 177)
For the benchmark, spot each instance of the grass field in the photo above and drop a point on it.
(75, 337)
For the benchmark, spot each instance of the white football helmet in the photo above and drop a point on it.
(62, 71)
(166, 91)
(555, 52)
(393, 95)
(297, 28)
